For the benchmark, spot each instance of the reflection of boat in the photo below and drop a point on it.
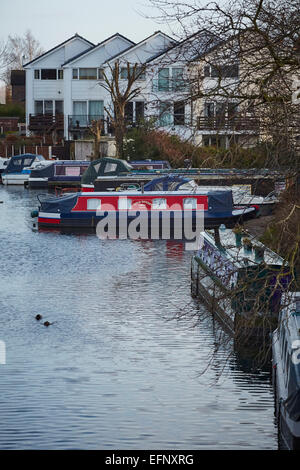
(58, 173)
(87, 209)
(19, 168)
(286, 371)
(241, 286)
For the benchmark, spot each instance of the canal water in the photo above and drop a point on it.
(131, 361)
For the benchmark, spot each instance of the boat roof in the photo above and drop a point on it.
(291, 314)
(236, 254)
(206, 192)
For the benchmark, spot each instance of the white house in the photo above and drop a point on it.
(63, 86)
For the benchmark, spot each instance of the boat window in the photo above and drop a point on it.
(72, 171)
(110, 167)
(124, 203)
(159, 203)
(94, 204)
(27, 161)
(190, 203)
(17, 162)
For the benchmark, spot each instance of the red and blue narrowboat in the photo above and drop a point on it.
(86, 209)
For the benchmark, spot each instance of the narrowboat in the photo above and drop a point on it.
(19, 168)
(86, 209)
(59, 173)
(264, 205)
(111, 173)
(241, 283)
(286, 371)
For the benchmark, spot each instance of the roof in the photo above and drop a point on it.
(57, 47)
(98, 45)
(139, 44)
(201, 34)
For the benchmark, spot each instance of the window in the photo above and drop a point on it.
(129, 111)
(124, 203)
(163, 80)
(165, 114)
(60, 74)
(36, 74)
(75, 74)
(88, 74)
(139, 73)
(72, 171)
(159, 203)
(94, 204)
(190, 203)
(224, 71)
(100, 74)
(139, 110)
(59, 107)
(179, 113)
(96, 109)
(48, 107)
(177, 77)
(48, 74)
(110, 167)
(38, 107)
(209, 110)
(79, 113)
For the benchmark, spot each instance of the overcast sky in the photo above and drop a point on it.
(53, 21)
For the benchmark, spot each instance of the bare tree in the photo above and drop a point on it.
(256, 43)
(122, 91)
(18, 50)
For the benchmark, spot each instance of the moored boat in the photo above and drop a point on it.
(242, 285)
(85, 209)
(19, 168)
(58, 173)
(286, 371)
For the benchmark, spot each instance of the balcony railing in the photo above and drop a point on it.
(46, 122)
(82, 121)
(167, 85)
(235, 123)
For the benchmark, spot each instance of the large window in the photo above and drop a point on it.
(48, 74)
(221, 71)
(139, 73)
(87, 74)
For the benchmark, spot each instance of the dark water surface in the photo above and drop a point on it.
(116, 370)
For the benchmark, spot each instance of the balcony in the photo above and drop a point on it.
(46, 122)
(222, 123)
(83, 121)
(168, 85)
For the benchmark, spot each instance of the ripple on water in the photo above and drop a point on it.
(120, 367)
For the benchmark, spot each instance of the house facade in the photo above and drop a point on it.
(65, 89)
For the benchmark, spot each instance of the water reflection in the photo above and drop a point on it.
(121, 367)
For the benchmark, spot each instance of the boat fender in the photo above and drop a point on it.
(34, 214)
